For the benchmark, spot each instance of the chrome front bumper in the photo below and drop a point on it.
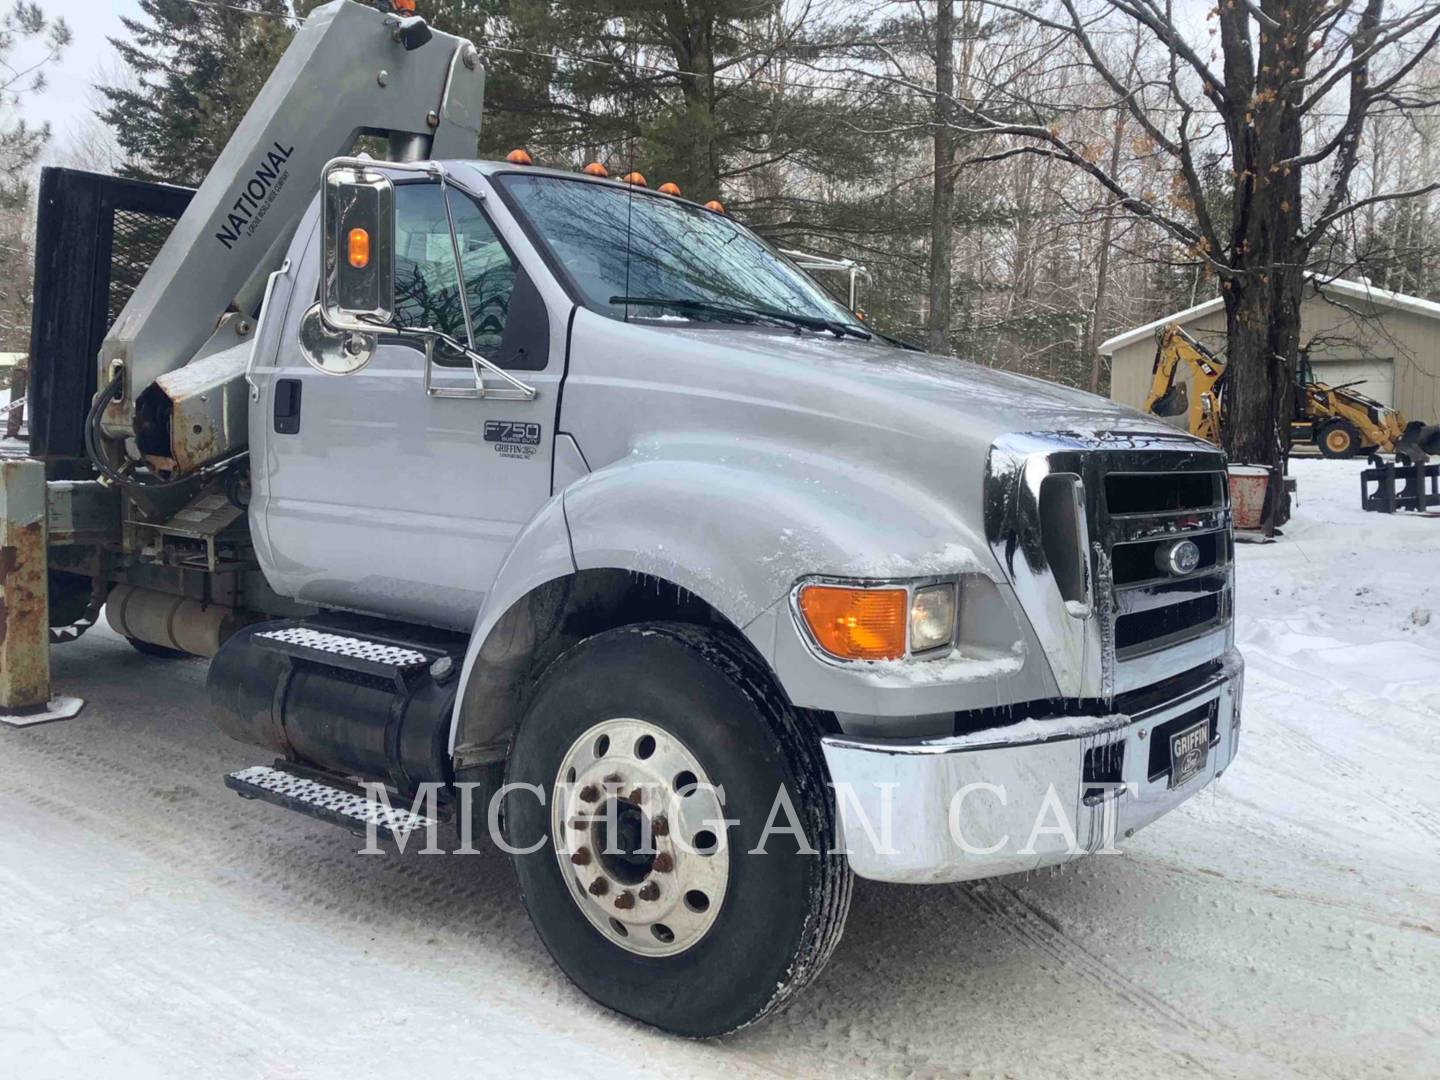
(1014, 798)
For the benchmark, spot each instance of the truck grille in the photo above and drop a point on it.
(1139, 516)
(1086, 526)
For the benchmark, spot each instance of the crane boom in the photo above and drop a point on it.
(351, 70)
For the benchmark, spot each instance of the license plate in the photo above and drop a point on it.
(1189, 750)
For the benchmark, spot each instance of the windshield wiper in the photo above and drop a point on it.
(748, 314)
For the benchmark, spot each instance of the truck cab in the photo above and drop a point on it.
(572, 510)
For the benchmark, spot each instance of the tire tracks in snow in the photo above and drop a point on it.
(1032, 926)
(1368, 788)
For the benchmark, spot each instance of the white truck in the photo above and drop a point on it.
(576, 503)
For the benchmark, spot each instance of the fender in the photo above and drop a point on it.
(737, 529)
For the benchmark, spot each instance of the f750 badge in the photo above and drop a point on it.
(512, 431)
(513, 438)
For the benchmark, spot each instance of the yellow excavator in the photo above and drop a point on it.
(1337, 419)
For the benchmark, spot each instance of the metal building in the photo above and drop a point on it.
(1354, 331)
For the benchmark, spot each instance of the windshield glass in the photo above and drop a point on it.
(677, 251)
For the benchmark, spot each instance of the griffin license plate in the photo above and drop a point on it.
(1189, 750)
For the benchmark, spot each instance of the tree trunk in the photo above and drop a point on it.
(937, 326)
(1102, 266)
(693, 46)
(1264, 290)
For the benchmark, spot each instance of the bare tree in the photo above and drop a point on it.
(1282, 89)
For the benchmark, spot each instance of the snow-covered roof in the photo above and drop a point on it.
(1350, 290)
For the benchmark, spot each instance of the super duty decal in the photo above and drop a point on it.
(513, 438)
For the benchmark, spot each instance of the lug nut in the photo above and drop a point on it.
(625, 901)
(589, 793)
(578, 824)
(637, 796)
(650, 891)
(660, 826)
(600, 886)
(614, 778)
(581, 857)
(663, 863)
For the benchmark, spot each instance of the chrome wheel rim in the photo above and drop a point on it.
(638, 830)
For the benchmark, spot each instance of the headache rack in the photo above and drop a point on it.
(95, 237)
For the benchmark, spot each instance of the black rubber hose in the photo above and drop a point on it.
(101, 462)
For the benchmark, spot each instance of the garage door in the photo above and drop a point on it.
(1378, 376)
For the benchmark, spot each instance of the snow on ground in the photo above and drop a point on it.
(1283, 923)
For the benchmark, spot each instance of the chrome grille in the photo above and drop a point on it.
(1139, 516)
(1109, 617)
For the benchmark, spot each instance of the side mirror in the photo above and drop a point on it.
(358, 241)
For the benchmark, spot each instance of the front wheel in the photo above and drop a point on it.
(1339, 439)
(643, 776)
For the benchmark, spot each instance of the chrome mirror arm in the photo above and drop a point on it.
(514, 391)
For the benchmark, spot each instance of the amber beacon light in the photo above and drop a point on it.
(856, 624)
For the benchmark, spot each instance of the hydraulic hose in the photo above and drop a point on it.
(96, 453)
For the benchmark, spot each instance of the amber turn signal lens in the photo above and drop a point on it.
(856, 624)
(358, 248)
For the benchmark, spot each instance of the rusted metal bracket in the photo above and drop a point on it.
(25, 599)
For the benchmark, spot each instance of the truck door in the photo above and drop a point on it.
(383, 498)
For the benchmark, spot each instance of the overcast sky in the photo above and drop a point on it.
(66, 101)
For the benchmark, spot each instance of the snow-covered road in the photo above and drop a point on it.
(1286, 922)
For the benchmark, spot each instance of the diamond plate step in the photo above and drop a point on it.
(341, 806)
(364, 655)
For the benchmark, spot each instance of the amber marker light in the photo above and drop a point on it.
(595, 169)
(716, 206)
(856, 624)
(358, 248)
(636, 178)
(519, 157)
(668, 188)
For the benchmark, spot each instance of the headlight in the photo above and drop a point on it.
(879, 621)
(932, 617)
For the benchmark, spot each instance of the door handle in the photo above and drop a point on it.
(287, 406)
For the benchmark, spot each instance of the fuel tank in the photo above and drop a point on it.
(369, 706)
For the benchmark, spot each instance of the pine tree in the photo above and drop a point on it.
(196, 70)
(29, 43)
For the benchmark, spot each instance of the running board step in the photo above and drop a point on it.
(339, 803)
(348, 651)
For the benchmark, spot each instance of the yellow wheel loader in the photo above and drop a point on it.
(1337, 419)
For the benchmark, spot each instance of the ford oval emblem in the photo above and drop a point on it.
(1179, 557)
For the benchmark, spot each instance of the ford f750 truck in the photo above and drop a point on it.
(577, 503)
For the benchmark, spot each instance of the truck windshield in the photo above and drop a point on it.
(706, 266)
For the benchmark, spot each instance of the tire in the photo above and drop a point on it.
(767, 929)
(1338, 439)
(159, 652)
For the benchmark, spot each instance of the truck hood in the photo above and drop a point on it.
(875, 383)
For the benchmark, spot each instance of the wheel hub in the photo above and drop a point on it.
(639, 835)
